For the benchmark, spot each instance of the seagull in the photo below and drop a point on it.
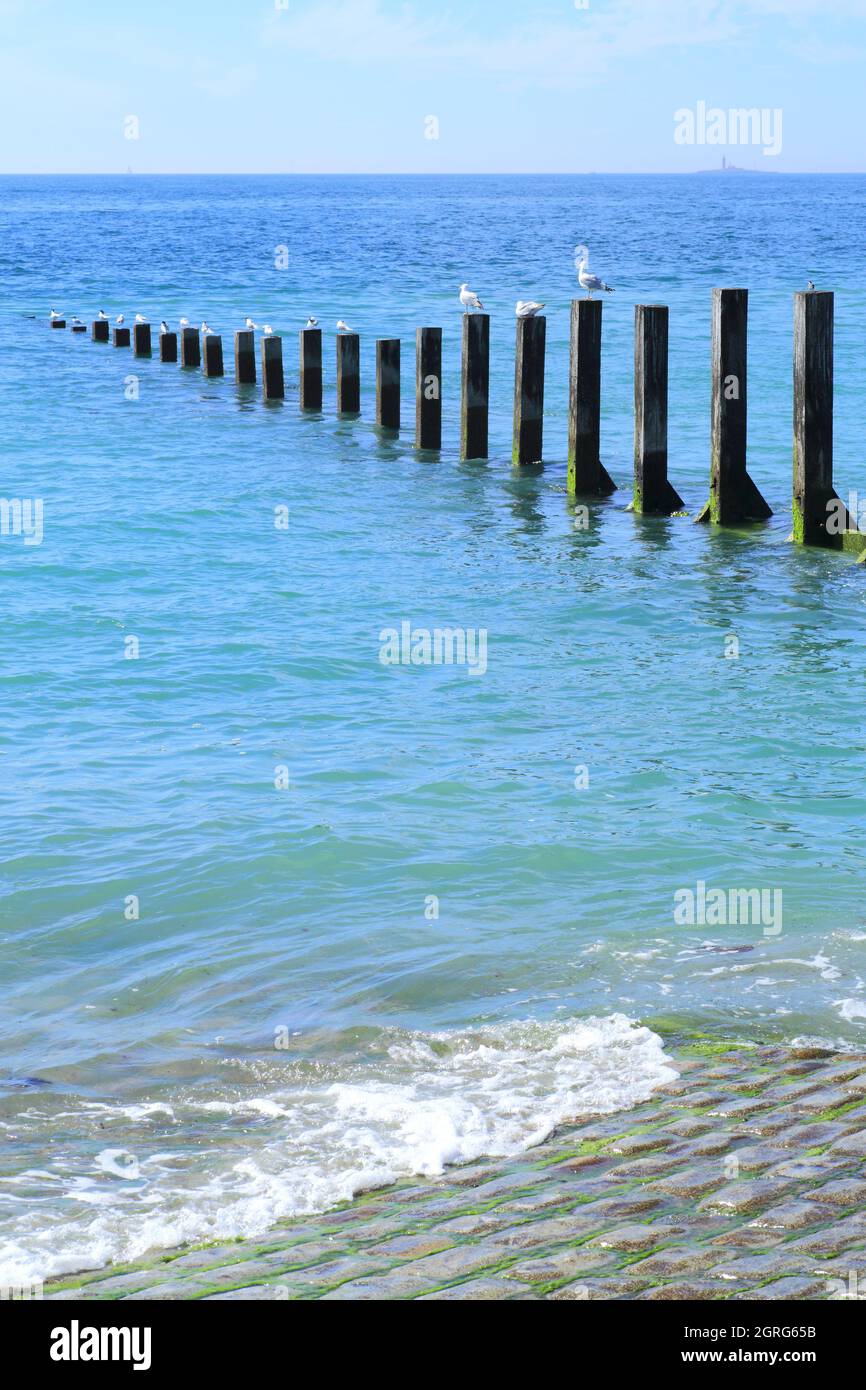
(119, 318)
(204, 328)
(102, 314)
(343, 327)
(268, 331)
(249, 324)
(585, 277)
(810, 285)
(55, 315)
(312, 323)
(163, 327)
(184, 323)
(469, 300)
(139, 318)
(527, 308)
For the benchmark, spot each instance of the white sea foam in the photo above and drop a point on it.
(430, 1100)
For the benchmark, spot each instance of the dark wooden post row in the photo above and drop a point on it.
(474, 386)
(733, 496)
(212, 344)
(348, 374)
(428, 388)
(529, 390)
(310, 389)
(820, 516)
(652, 491)
(245, 357)
(190, 347)
(168, 347)
(388, 383)
(273, 385)
(99, 330)
(586, 473)
(120, 336)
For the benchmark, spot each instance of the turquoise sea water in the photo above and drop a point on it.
(142, 1099)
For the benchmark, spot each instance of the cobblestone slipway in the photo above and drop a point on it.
(741, 1180)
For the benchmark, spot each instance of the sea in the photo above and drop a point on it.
(283, 918)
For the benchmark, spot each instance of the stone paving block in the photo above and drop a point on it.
(791, 1216)
(786, 1290)
(841, 1192)
(853, 1145)
(563, 1264)
(682, 1259)
(637, 1144)
(808, 1135)
(633, 1238)
(695, 1182)
(485, 1290)
(745, 1196)
(412, 1247)
(685, 1290)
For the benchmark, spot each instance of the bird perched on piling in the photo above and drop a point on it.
(139, 318)
(268, 331)
(163, 327)
(102, 314)
(527, 308)
(119, 318)
(311, 323)
(810, 285)
(469, 299)
(205, 329)
(184, 323)
(248, 323)
(343, 327)
(585, 277)
(55, 314)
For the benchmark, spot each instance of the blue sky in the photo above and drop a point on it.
(336, 86)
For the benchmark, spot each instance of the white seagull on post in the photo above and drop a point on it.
(204, 328)
(163, 327)
(249, 324)
(119, 318)
(469, 299)
(102, 314)
(139, 318)
(55, 314)
(527, 308)
(585, 277)
(343, 327)
(268, 331)
(312, 323)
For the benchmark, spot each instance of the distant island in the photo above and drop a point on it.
(733, 169)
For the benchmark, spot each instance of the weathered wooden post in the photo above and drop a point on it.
(311, 369)
(120, 336)
(245, 357)
(141, 339)
(79, 327)
(428, 388)
(586, 473)
(474, 386)
(733, 496)
(273, 386)
(652, 491)
(388, 383)
(820, 515)
(168, 347)
(58, 323)
(529, 390)
(213, 354)
(348, 374)
(99, 330)
(190, 347)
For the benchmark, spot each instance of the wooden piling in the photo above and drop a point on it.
(428, 388)
(820, 516)
(168, 347)
(733, 497)
(213, 355)
(348, 374)
(190, 347)
(586, 473)
(388, 383)
(652, 491)
(79, 328)
(99, 330)
(529, 390)
(273, 387)
(311, 369)
(58, 323)
(245, 357)
(474, 386)
(141, 339)
(120, 337)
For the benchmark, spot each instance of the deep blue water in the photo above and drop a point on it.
(411, 1039)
